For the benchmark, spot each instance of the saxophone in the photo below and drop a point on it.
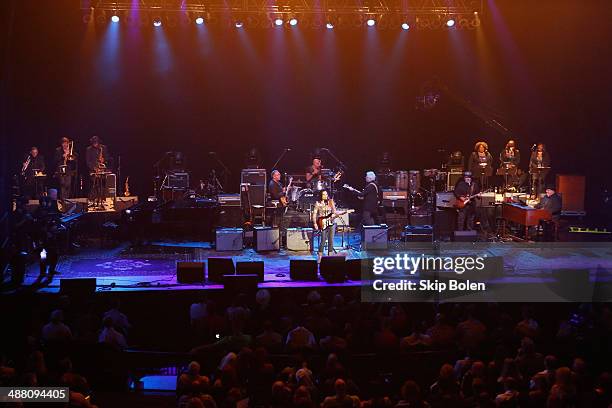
(126, 188)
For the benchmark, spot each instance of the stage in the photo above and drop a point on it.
(153, 267)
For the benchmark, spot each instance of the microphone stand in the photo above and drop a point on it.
(280, 158)
(226, 171)
(340, 162)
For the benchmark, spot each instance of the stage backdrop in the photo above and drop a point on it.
(538, 70)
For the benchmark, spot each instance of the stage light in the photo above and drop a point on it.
(293, 21)
(239, 24)
(278, 22)
(115, 18)
(405, 26)
(199, 21)
(329, 25)
(371, 22)
(157, 22)
(450, 22)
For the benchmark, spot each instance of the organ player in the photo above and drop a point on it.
(481, 162)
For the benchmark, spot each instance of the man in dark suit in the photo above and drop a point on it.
(551, 202)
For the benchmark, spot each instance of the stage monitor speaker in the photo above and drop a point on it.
(466, 236)
(80, 287)
(572, 190)
(240, 283)
(190, 272)
(299, 239)
(333, 269)
(219, 267)
(251, 268)
(355, 267)
(303, 269)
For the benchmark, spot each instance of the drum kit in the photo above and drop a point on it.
(302, 197)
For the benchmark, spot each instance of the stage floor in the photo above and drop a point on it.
(153, 267)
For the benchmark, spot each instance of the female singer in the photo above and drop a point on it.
(323, 219)
(510, 158)
(539, 165)
(481, 163)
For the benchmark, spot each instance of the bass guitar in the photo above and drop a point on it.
(283, 199)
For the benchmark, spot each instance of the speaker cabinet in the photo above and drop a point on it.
(251, 268)
(219, 267)
(229, 239)
(299, 239)
(444, 223)
(303, 269)
(355, 267)
(240, 284)
(572, 190)
(190, 272)
(81, 287)
(374, 237)
(266, 239)
(466, 236)
(333, 269)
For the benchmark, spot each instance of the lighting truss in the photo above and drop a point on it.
(421, 13)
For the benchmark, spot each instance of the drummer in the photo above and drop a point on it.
(314, 173)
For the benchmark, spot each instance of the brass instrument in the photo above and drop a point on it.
(25, 165)
(127, 193)
(101, 166)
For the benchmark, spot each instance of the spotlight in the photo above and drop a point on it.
(115, 18)
(157, 22)
(450, 22)
(239, 24)
(199, 21)
(405, 26)
(293, 21)
(329, 25)
(278, 22)
(371, 22)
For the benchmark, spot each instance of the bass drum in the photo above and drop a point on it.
(306, 200)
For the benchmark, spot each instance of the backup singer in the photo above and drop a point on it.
(465, 188)
(510, 159)
(371, 199)
(326, 208)
(31, 169)
(65, 167)
(481, 163)
(539, 164)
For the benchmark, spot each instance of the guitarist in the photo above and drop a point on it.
(277, 193)
(371, 199)
(464, 189)
(325, 207)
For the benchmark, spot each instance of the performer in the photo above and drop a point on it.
(371, 199)
(481, 163)
(510, 159)
(551, 202)
(277, 193)
(313, 172)
(32, 171)
(539, 165)
(65, 167)
(465, 191)
(96, 157)
(325, 211)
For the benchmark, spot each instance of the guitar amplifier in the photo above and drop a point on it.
(253, 176)
(177, 180)
(299, 239)
(374, 237)
(266, 239)
(229, 239)
(452, 177)
(445, 199)
(342, 220)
